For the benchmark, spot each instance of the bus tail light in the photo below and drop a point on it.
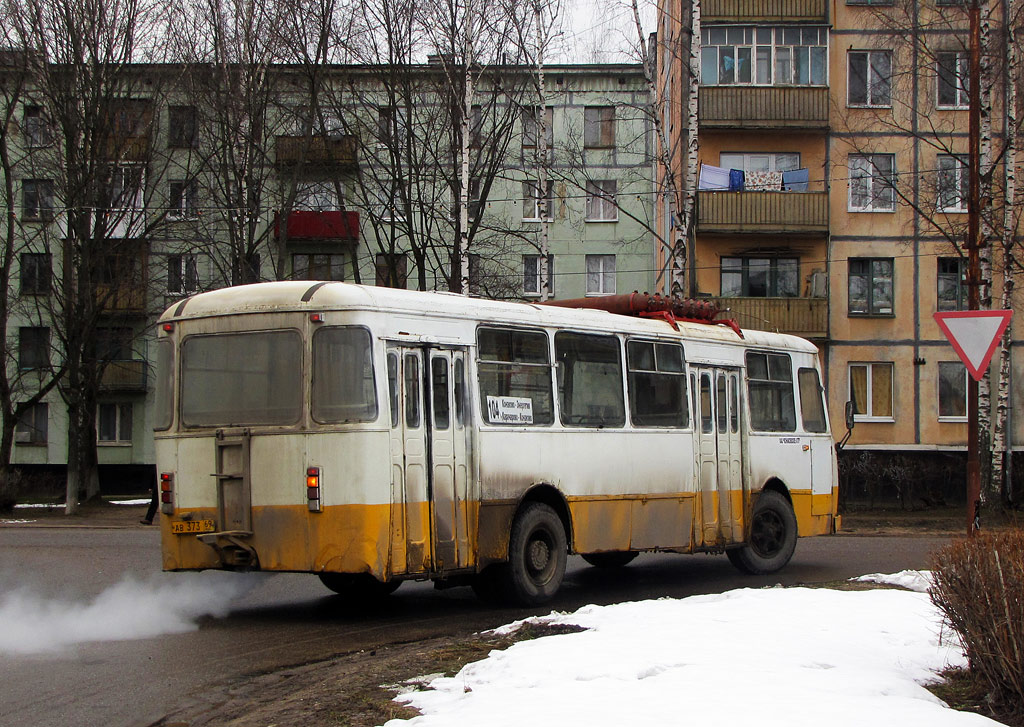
(167, 492)
(313, 489)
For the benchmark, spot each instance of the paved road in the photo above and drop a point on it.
(292, 619)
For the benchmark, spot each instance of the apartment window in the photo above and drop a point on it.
(36, 199)
(182, 273)
(869, 78)
(786, 55)
(871, 183)
(760, 277)
(391, 126)
(126, 187)
(114, 423)
(33, 347)
(475, 203)
(181, 202)
(318, 266)
(475, 274)
(953, 180)
(871, 286)
(760, 161)
(32, 426)
(601, 205)
(536, 207)
(182, 129)
(953, 71)
(392, 270)
(871, 391)
(476, 126)
(319, 196)
(36, 127)
(952, 390)
(392, 202)
(245, 268)
(530, 118)
(112, 343)
(599, 126)
(531, 274)
(952, 285)
(600, 274)
(35, 273)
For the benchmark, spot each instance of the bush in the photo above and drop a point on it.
(979, 587)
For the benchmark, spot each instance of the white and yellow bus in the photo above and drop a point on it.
(372, 435)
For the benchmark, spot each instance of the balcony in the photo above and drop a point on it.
(334, 225)
(126, 148)
(763, 107)
(805, 317)
(762, 212)
(124, 376)
(786, 11)
(121, 299)
(318, 151)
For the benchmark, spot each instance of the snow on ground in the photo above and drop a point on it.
(771, 657)
(912, 580)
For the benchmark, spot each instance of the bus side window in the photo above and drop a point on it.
(723, 404)
(514, 373)
(590, 386)
(460, 392)
(412, 391)
(812, 408)
(770, 392)
(707, 424)
(657, 384)
(734, 403)
(439, 392)
(393, 387)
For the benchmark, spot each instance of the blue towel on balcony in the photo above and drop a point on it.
(796, 181)
(735, 180)
(713, 177)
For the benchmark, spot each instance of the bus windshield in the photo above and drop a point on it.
(237, 379)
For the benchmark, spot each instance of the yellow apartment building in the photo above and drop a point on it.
(831, 203)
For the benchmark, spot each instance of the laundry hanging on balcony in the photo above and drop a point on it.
(764, 181)
(712, 177)
(796, 180)
(735, 180)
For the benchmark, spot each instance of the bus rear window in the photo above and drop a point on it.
(164, 414)
(236, 379)
(343, 388)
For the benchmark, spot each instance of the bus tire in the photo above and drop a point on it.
(613, 559)
(536, 555)
(772, 537)
(358, 587)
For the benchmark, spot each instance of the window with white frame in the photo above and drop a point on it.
(600, 274)
(871, 183)
(951, 284)
(182, 273)
(953, 74)
(36, 127)
(35, 273)
(114, 423)
(870, 286)
(759, 55)
(601, 205)
(391, 205)
(952, 184)
(760, 277)
(183, 198)
(36, 199)
(869, 78)
(531, 274)
(952, 390)
(530, 118)
(318, 266)
(317, 196)
(536, 207)
(760, 161)
(871, 391)
(599, 127)
(182, 127)
(126, 187)
(33, 425)
(391, 127)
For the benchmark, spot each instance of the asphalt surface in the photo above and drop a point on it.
(288, 619)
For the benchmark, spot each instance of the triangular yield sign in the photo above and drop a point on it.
(974, 335)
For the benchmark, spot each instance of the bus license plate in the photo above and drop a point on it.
(185, 527)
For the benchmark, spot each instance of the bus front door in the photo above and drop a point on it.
(429, 455)
(719, 455)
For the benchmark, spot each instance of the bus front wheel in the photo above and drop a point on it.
(360, 587)
(537, 555)
(772, 538)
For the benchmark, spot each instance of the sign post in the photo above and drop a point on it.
(974, 335)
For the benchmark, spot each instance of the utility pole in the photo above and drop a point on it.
(973, 266)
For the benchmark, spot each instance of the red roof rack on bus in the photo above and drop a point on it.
(645, 305)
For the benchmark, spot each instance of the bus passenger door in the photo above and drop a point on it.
(448, 461)
(719, 454)
(409, 454)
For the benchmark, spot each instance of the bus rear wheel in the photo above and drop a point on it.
(614, 559)
(536, 556)
(772, 538)
(358, 587)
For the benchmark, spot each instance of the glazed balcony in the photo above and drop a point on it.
(746, 11)
(805, 317)
(763, 107)
(319, 151)
(124, 376)
(319, 225)
(121, 299)
(762, 212)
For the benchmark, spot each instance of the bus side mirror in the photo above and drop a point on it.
(849, 415)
